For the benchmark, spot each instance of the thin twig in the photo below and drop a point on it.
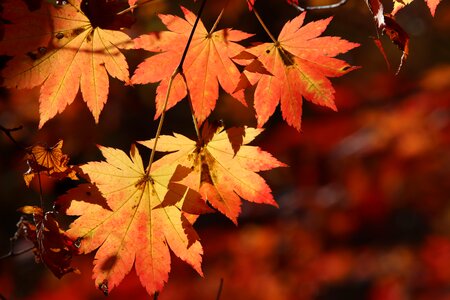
(155, 296)
(319, 7)
(11, 252)
(161, 121)
(191, 107)
(8, 131)
(178, 70)
(183, 57)
(41, 193)
(219, 292)
(219, 17)
(266, 29)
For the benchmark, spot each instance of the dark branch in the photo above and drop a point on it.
(8, 131)
(318, 7)
(183, 57)
(11, 252)
(219, 292)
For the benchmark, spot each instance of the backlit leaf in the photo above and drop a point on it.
(221, 174)
(208, 63)
(58, 47)
(128, 222)
(299, 64)
(50, 161)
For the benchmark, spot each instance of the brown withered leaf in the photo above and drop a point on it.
(47, 160)
(52, 246)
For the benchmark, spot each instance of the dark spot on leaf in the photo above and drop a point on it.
(141, 182)
(267, 51)
(42, 50)
(288, 58)
(59, 35)
(104, 287)
(88, 193)
(77, 31)
(109, 263)
(32, 55)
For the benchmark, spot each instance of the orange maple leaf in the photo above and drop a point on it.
(217, 170)
(208, 62)
(133, 225)
(295, 67)
(57, 47)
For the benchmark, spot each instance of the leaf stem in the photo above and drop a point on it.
(319, 7)
(135, 6)
(178, 70)
(161, 121)
(191, 107)
(11, 252)
(41, 193)
(7, 132)
(219, 18)
(191, 35)
(219, 292)
(266, 29)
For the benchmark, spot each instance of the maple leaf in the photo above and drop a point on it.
(52, 246)
(218, 172)
(52, 161)
(208, 63)
(57, 47)
(399, 4)
(132, 225)
(295, 67)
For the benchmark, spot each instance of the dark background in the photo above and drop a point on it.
(364, 207)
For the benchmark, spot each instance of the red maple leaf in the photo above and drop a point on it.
(294, 67)
(124, 215)
(208, 63)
